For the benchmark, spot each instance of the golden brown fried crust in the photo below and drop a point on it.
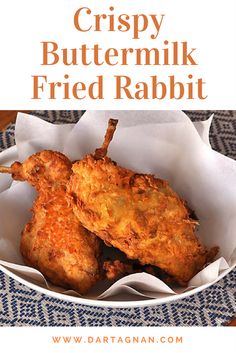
(54, 241)
(117, 269)
(43, 169)
(102, 151)
(138, 214)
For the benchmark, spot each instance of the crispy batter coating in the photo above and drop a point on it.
(54, 241)
(138, 214)
(116, 269)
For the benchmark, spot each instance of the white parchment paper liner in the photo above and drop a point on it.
(164, 143)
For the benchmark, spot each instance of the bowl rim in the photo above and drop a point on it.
(113, 304)
(103, 302)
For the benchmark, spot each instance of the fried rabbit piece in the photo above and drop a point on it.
(54, 241)
(136, 213)
(117, 269)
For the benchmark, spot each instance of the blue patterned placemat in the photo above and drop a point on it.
(215, 306)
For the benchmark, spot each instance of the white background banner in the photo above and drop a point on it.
(192, 66)
(119, 339)
(94, 60)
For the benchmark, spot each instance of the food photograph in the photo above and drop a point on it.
(117, 218)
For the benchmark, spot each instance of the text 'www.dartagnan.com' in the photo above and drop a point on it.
(117, 339)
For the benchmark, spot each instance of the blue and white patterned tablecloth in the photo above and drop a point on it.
(21, 306)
